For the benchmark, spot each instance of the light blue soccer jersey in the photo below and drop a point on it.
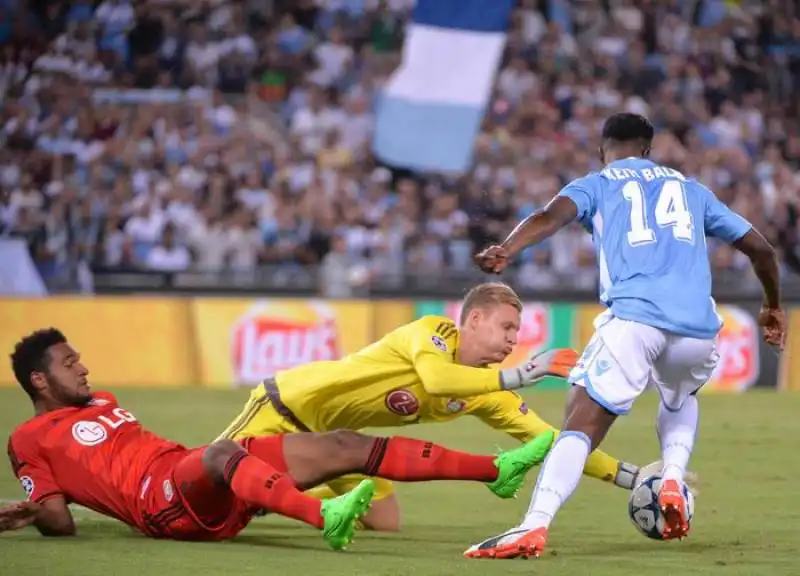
(649, 225)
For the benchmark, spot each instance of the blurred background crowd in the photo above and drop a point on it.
(226, 136)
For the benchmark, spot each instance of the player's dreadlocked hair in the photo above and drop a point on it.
(30, 355)
(627, 127)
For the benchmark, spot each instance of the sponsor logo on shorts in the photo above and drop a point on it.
(27, 485)
(89, 433)
(738, 348)
(145, 486)
(168, 491)
(402, 402)
(439, 343)
(602, 367)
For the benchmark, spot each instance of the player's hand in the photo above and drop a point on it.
(773, 326)
(18, 515)
(493, 259)
(538, 365)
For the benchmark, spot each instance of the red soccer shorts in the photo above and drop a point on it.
(180, 501)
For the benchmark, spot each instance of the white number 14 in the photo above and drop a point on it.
(671, 210)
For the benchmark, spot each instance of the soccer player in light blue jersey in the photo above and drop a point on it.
(649, 224)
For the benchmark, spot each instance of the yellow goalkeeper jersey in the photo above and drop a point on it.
(411, 375)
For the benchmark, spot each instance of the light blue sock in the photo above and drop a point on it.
(560, 474)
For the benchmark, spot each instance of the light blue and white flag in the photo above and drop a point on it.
(18, 273)
(431, 108)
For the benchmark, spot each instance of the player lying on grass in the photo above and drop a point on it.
(425, 371)
(82, 447)
(649, 225)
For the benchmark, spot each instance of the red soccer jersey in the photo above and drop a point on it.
(96, 456)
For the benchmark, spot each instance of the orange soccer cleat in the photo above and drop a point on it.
(515, 543)
(674, 508)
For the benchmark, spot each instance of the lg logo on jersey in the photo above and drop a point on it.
(91, 433)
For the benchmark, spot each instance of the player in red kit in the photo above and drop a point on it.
(82, 447)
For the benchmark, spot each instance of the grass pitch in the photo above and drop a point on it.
(747, 520)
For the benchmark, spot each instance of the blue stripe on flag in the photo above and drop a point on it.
(425, 137)
(472, 15)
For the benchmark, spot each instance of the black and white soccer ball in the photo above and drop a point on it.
(644, 511)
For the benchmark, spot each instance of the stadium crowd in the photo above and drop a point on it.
(220, 135)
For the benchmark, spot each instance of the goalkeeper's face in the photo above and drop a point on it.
(494, 330)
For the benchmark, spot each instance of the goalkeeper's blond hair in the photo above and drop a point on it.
(487, 295)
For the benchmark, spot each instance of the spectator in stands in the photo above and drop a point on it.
(251, 145)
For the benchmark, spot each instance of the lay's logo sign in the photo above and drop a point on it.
(738, 348)
(272, 337)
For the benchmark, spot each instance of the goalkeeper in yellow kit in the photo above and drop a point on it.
(425, 371)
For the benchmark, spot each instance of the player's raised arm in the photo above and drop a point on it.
(46, 507)
(576, 200)
(723, 223)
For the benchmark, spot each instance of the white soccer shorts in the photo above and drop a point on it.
(624, 357)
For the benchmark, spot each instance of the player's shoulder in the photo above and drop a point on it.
(26, 437)
(441, 331)
(434, 324)
(697, 187)
(589, 181)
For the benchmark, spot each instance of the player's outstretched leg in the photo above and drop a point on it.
(586, 425)
(676, 432)
(312, 459)
(341, 514)
(513, 465)
(411, 460)
(260, 484)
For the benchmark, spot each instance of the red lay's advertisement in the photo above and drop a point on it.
(271, 338)
(738, 348)
(242, 342)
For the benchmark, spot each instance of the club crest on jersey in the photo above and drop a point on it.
(89, 433)
(27, 485)
(402, 402)
(439, 342)
(168, 491)
(455, 405)
(523, 408)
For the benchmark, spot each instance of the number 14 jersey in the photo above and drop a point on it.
(649, 225)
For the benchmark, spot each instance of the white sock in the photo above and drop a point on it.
(560, 474)
(676, 432)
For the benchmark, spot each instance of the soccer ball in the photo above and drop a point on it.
(645, 512)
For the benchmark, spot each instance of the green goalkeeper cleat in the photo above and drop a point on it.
(514, 464)
(341, 514)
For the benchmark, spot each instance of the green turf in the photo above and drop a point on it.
(747, 518)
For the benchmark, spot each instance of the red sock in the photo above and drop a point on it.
(410, 460)
(259, 484)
